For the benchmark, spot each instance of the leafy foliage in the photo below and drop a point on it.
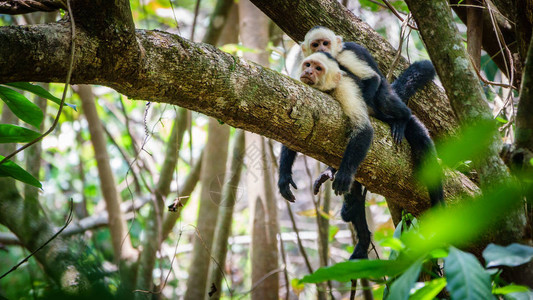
(510, 256)
(416, 242)
(466, 277)
(28, 112)
(23, 108)
(11, 169)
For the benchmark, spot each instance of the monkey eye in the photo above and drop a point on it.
(319, 68)
(307, 65)
(314, 45)
(326, 43)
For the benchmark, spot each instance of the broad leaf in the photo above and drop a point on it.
(510, 256)
(460, 225)
(466, 277)
(15, 134)
(21, 107)
(520, 296)
(11, 169)
(39, 91)
(401, 287)
(345, 271)
(430, 290)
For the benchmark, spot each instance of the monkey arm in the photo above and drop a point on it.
(354, 154)
(286, 161)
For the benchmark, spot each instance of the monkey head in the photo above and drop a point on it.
(320, 38)
(321, 71)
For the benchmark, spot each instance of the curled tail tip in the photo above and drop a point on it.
(426, 67)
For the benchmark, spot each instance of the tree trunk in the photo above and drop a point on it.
(212, 175)
(230, 194)
(264, 249)
(122, 247)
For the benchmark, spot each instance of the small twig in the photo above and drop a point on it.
(261, 281)
(67, 82)
(353, 289)
(196, 10)
(397, 14)
(399, 51)
(285, 272)
(69, 219)
(486, 81)
(298, 239)
(169, 271)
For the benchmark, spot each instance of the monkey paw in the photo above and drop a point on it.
(284, 184)
(329, 173)
(342, 183)
(398, 131)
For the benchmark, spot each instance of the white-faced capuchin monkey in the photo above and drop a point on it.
(385, 102)
(321, 71)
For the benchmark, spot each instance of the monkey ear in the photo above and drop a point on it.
(304, 49)
(337, 77)
(339, 43)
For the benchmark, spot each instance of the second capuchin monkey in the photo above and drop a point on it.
(321, 71)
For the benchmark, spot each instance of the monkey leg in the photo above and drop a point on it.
(353, 210)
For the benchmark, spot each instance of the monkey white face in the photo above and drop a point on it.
(320, 72)
(321, 39)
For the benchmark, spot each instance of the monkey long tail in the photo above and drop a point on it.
(414, 78)
(425, 155)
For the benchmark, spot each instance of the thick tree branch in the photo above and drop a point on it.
(431, 105)
(16, 7)
(167, 68)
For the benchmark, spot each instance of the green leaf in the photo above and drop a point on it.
(333, 230)
(401, 287)
(348, 270)
(460, 225)
(501, 120)
(520, 296)
(430, 290)
(399, 228)
(511, 256)
(439, 253)
(392, 243)
(471, 142)
(15, 134)
(512, 288)
(21, 107)
(11, 169)
(39, 91)
(466, 277)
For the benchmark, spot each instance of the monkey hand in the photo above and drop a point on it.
(342, 182)
(284, 184)
(398, 131)
(329, 173)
